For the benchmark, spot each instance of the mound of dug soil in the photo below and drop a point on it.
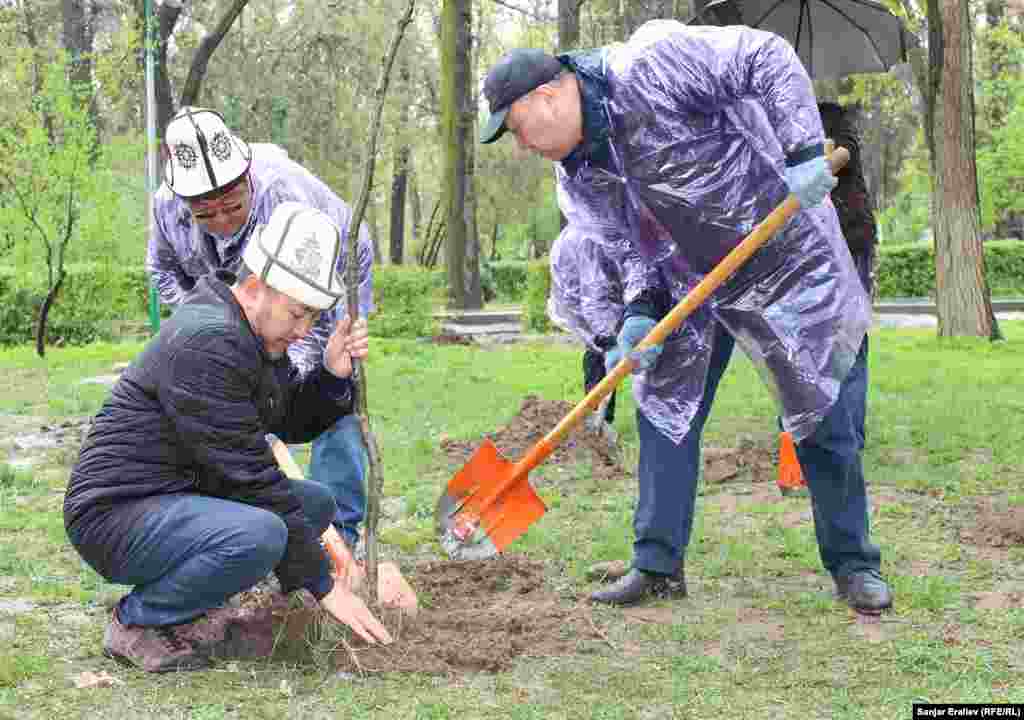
(476, 616)
(536, 418)
(996, 527)
(752, 460)
(749, 460)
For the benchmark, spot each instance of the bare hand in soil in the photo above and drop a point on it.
(344, 345)
(347, 608)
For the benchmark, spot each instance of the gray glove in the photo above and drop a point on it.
(633, 331)
(810, 181)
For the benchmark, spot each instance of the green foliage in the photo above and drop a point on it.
(909, 270)
(538, 285)
(92, 300)
(1004, 267)
(404, 297)
(532, 238)
(509, 279)
(908, 216)
(906, 271)
(1001, 167)
(58, 186)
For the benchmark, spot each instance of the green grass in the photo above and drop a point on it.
(760, 634)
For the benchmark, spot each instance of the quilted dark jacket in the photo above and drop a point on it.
(190, 415)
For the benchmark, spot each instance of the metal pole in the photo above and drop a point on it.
(151, 174)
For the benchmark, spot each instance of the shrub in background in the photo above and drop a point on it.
(909, 270)
(404, 297)
(538, 285)
(92, 300)
(509, 278)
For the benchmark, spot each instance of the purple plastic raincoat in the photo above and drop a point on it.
(180, 252)
(699, 122)
(589, 281)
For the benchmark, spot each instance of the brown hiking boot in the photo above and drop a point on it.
(259, 623)
(154, 649)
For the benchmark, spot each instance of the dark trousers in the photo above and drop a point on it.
(830, 459)
(187, 553)
(593, 373)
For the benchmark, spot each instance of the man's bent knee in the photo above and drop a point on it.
(264, 537)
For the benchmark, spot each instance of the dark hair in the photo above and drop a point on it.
(831, 109)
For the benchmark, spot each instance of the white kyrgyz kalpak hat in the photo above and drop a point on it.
(203, 155)
(296, 253)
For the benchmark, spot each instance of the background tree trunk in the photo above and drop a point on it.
(78, 34)
(415, 204)
(399, 181)
(568, 39)
(167, 14)
(458, 113)
(963, 301)
(568, 24)
(399, 175)
(32, 39)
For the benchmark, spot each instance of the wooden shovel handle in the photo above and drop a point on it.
(729, 264)
(284, 458)
(331, 541)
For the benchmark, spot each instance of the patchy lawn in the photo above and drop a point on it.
(760, 632)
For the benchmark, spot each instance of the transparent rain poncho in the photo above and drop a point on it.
(698, 122)
(588, 286)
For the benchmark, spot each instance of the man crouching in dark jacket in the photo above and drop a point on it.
(176, 491)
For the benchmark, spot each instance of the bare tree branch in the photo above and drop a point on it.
(197, 71)
(375, 485)
(528, 13)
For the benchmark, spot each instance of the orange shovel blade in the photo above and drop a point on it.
(485, 507)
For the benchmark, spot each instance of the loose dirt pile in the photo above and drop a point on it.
(476, 616)
(536, 418)
(751, 460)
(995, 527)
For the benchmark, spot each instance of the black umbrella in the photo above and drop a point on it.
(833, 38)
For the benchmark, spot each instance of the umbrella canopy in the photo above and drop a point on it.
(833, 38)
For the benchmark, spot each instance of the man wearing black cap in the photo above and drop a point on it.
(680, 141)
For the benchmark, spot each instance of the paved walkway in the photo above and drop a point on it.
(904, 320)
(506, 325)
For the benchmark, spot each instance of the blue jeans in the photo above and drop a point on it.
(187, 553)
(339, 463)
(830, 459)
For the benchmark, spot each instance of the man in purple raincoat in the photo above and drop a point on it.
(683, 139)
(216, 189)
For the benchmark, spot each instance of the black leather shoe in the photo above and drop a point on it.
(865, 591)
(638, 586)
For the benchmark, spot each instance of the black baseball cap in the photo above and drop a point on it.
(517, 73)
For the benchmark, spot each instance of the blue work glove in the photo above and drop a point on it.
(634, 329)
(810, 181)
